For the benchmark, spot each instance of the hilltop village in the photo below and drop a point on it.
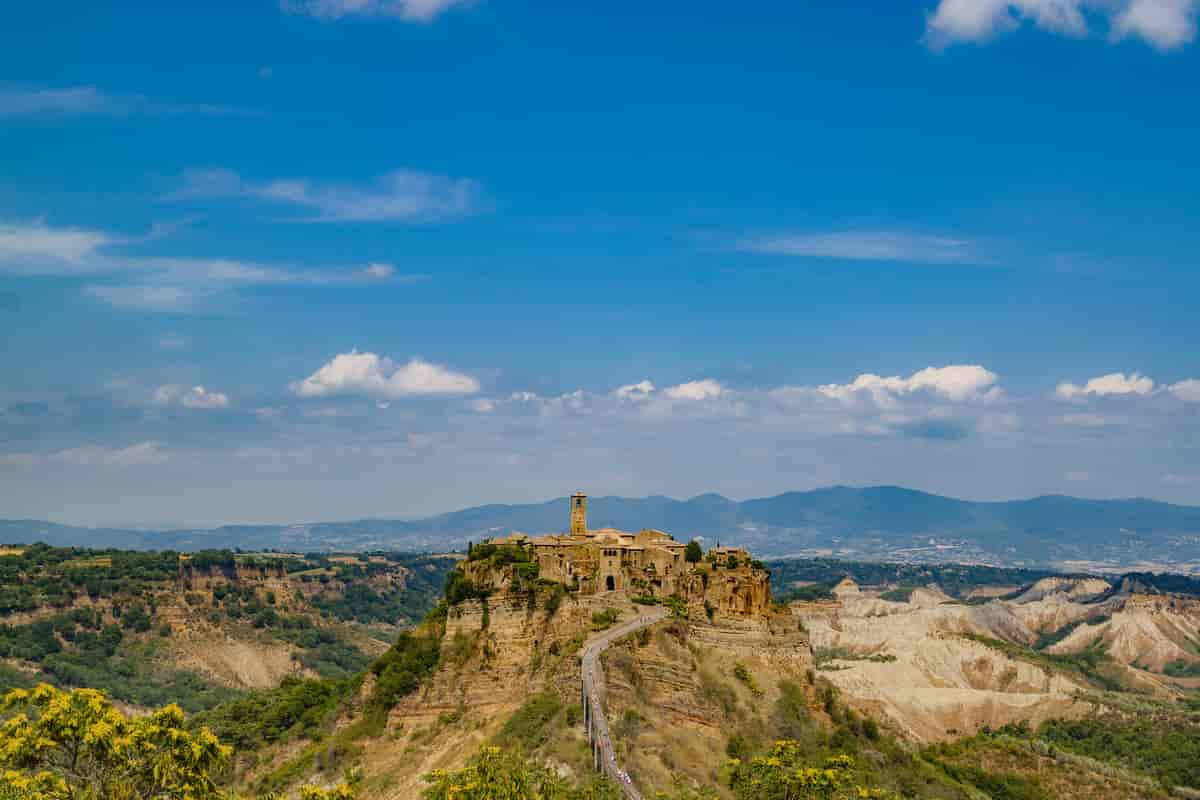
(647, 564)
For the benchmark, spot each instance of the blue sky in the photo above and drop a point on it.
(343, 258)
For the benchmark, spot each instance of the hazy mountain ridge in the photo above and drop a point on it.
(883, 521)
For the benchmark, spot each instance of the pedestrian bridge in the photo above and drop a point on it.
(603, 757)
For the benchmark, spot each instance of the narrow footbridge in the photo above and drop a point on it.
(603, 757)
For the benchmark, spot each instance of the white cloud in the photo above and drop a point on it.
(408, 10)
(865, 245)
(957, 382)
(369, 374)
(402, 195)
(1188, 390)
(1115, 383)
(483, 405)
(635, 391)
(98, 456)
(36, 248)
(195, 397)
(572, 403)
(25, 101)
(34, 102)
(377, 271)
(695, 390)
(1163, 24)
(157, 283)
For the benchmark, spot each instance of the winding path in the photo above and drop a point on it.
(603, 756)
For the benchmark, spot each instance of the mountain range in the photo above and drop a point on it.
(882, 522)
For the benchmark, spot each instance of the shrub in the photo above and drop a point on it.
(529, 726)
(554, 599)
(604, 619)
(784, 773)
(401, 669)
(495, 773)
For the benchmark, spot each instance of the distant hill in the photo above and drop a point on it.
(883, 522)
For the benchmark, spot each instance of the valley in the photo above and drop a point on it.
(198, 629)
(707, 673)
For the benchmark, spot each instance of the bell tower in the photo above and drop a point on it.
(579, 514)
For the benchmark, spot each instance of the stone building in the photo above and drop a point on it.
(605, 559)
(647, 563)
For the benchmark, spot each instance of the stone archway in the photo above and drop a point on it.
(611, 583)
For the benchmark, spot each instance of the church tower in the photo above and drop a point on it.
(578, 514)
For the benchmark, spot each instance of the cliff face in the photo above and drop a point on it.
(677, 695)
(1149, 632)
(496, 656)
(498, 653)
(914, 664)
(739, 592)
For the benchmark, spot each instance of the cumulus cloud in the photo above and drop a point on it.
(865, 245)
(704, 389)
(356, 373)
(1163, 24)
(402, 195)
(957, 383)
(195, 397)
(635, 391)
(1114, 383)
(1133, 384)
(408, 10)
(576, 402)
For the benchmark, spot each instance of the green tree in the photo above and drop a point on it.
(693, 553)
(77, 745)
(60, 745)
(676, 605)
(781, 774)
(495, 774)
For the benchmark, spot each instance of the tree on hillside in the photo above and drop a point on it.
(693, 553)
(495, 774)
(78, 745)
(782, 774)
(60, 745)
